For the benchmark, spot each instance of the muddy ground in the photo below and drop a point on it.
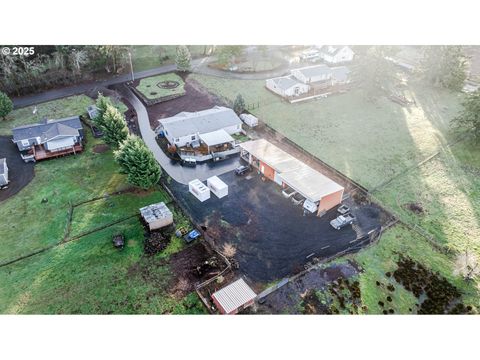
(191, 266)
(291, 298)
(196, 98)
(20, 173)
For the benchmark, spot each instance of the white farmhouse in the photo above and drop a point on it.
(287, 86)
(336, 54)
(188, 128)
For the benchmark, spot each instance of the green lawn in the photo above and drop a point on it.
(150, 89)
(381, 258)
(89, 276)
(86, 275)
(70, 106)
(369, 142)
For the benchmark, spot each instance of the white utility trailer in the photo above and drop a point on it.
(199, 190)
(249, 120)
(217, 186)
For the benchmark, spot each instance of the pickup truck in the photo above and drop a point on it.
(342, 221)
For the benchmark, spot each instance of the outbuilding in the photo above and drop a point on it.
(249, 120)
(217, 186)
(320, 192)
(3, 172)
(287, 86)
(199, 190)
(157, 215)
(234, 297)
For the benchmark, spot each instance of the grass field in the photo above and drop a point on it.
(381, 258)
(146, 57)
(70, 106)
(369, 142)
(85, 275)
(447, 188)
(150, 89)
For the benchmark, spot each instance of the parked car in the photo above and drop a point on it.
(342, 221)
(192, 235)
(297, 199)
(344, 209)
(189, 161)
(96, 132)
(242, 170)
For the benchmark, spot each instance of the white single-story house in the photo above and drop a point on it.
(187, 128)
(287, 86)
(336, 54)
(3, 172)
(287, 171)
(322, 74)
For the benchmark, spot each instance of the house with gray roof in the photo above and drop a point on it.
(49, 137)
(3, 172)
(321, 74)
(287, 86)
(336, 54)
(188, 128)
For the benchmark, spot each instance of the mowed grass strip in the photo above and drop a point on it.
(90, 276)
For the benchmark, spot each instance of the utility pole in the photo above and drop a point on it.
(131, 65)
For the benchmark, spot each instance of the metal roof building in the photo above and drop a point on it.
(234, 297)
(284, 169)
(205, 121)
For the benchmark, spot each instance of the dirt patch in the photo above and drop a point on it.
(435, 293)
(100, 148)
(19, 173)
(415, 207)
(192, 266)
(196, 98)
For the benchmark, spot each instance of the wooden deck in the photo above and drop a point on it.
(40, 153)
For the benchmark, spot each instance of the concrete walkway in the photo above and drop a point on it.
(173, 168)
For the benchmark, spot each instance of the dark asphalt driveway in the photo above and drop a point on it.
(271, 236)
(19, 173)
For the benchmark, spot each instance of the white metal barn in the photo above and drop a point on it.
(249, 120)
(217, 186)
(199, 190)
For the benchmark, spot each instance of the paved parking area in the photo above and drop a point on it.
(271, 236)
(19, 172)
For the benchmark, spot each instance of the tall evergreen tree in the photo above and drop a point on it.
(102, 103)
(183, 59)
(114, 126)
(138, 162)
(239, 104)
(6, 105)
(469, 117)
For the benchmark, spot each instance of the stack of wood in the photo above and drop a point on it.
(155, 243)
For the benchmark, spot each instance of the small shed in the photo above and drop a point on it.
(199, 190)
(234, 297)
(217, 186)
(3, 172)
(157, 215)
(249, 120)
(92, 111)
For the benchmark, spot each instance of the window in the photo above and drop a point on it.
(177, 140)
(166, 132)
(25, 143)
(193, 137)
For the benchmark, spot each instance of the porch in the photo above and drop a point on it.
(40, 153)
